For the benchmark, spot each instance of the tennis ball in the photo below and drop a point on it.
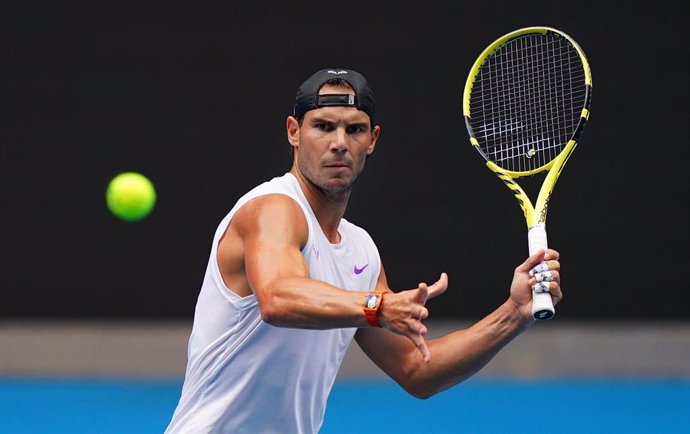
(130, 196)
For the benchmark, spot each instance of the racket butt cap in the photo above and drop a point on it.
(542, 306)
(543, 315)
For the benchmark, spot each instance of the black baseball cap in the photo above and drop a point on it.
(308, 97)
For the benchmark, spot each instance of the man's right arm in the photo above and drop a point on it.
(261, 252)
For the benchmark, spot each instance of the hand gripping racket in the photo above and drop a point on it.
(526, 102)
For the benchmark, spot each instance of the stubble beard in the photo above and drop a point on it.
(333, 192)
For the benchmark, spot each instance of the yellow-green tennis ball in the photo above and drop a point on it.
(130, 196)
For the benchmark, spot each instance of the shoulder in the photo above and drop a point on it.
(273, 209)
(271, 219)
(273, 199)
(279, 184)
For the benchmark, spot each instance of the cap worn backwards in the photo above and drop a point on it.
(308, 97)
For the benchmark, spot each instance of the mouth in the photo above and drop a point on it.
(337, 165)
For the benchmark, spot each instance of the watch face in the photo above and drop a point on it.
(372, 300)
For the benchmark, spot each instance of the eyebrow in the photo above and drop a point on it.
(332, 122)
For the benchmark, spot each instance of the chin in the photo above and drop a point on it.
(337, 185)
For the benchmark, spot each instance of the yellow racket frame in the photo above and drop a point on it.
(534, 214)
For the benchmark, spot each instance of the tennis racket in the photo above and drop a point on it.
(526, 103)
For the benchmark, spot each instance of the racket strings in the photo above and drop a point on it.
(527, 100)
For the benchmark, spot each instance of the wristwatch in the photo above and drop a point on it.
(371, 307)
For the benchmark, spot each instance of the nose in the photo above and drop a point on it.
(339, 141)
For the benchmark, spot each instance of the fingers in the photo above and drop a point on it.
(419, 330)
(547, 255)
(545, 277)
(439, 287)
(551, 254)
(420, 342)
(404, 312)
(422, 293)
(548, 263)
(542, 287)
(545, 268)
(421, 345)
(419, 313)
(404, 308)
(553, 288)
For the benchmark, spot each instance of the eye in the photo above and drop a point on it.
(356, 129)
(323, 126)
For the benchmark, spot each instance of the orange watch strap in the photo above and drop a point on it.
(371, 307)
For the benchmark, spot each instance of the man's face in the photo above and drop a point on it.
(332, 144)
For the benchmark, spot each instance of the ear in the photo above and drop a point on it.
(292, 130)
(374, 138)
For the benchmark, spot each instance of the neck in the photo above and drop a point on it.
(329, 207)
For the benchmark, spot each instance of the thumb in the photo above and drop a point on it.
(532, 261)
(439, 287)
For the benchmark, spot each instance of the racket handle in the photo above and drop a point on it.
(542, 305)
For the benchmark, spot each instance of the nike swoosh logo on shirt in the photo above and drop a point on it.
(358, 270)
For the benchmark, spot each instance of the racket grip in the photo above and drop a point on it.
(542, 305)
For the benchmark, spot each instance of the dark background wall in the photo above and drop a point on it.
(195, 95)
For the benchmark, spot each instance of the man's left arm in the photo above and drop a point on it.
(459, 354)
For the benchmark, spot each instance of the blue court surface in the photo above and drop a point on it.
(477, 406)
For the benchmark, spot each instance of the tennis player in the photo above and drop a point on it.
(290, 282)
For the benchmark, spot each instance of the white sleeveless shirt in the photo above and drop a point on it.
(246, 376)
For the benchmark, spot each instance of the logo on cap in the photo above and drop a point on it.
(337, 72)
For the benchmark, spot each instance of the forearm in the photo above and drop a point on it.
(460, 354)
(301, 302)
